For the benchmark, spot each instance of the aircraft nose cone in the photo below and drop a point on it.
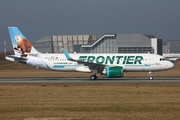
(170, 65)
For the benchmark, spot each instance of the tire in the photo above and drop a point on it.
(93, 77)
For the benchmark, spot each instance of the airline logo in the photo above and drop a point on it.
(113, 59)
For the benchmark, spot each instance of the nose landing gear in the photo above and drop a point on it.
(150, 75)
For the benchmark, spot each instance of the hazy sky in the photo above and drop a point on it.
(37, 18)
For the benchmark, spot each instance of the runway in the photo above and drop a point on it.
(86, 80)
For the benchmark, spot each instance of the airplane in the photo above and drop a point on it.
(173, 57)
(112, 65)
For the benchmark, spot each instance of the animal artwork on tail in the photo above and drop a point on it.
(23, 46)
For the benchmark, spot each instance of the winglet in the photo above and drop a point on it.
(66, 54)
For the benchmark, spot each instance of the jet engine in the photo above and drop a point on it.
(113, 72)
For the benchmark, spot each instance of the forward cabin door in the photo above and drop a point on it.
(151, 59)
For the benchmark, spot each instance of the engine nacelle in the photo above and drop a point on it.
(114, 72)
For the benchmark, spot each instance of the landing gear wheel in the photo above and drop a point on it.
(151, 78)
(150, 75)
(93, 77)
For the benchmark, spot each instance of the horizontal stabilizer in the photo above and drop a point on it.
(17, 57)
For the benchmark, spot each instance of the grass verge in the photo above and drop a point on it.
(90, 101)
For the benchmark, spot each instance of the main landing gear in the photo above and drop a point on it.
(150, 75)
(93, 77)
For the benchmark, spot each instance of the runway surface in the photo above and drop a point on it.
(86, 80)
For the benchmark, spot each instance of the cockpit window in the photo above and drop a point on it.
(162, 59)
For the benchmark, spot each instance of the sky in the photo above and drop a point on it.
(37, 18)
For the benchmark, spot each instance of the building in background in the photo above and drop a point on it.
(107, 43)
(54, 43)
(124, 43)
(171, 50)
(171, 46)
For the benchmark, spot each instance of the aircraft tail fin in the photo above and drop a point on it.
(21, 46)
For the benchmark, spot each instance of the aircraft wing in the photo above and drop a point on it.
(90, 64)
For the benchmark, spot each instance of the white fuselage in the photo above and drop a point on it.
(129, 62)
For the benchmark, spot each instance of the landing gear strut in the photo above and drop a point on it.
(150, 75)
